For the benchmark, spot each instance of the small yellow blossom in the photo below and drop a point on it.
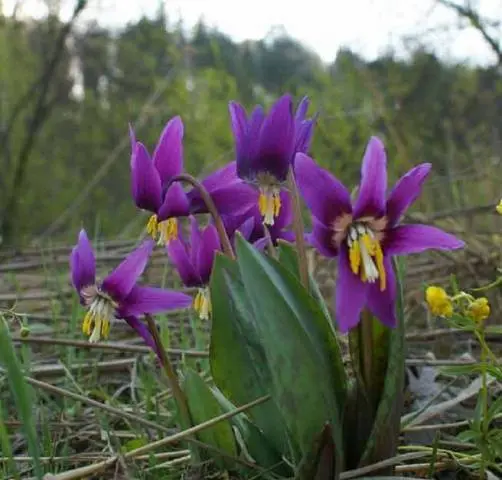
(499, 208)
(479, 309)
(438, 301)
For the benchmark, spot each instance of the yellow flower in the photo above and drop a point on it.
(479, 309)
(499, 208)
(438, 301)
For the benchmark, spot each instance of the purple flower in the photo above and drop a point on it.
(194, 262)
(265, 146)
(118, 296)
(253, 230)
(150, 177)
(366, 234)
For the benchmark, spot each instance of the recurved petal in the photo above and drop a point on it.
(277, 140)
(383, 304)
(235, 198)
(321, 238)
(351, 294)
(142, 330)
(406, 239)
(120, 281)
(255, 125)
(209, 245)
(301, 111)
(303, 136)
(195, 240)
(373, 187)
(175, 203)
(239, 124)
(168, 154)
(146, 188)
(82, 263)
(180, 258)
(325, 195)
(151, 300)
(221, 176)
(406, 191)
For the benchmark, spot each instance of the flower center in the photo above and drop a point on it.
(100, 311)
(163, 232)
(202, 303)
(269, 201)
(365, 254)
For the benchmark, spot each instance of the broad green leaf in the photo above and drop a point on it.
(320, 462)
(253, 442)
(237, 359)
(384, 437)
(22, 393)
(288, 320)
(289, 259)
(204, 406)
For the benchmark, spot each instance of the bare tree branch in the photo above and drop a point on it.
(467, 12)
(40, 113)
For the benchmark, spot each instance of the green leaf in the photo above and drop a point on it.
(22, 393)
(253, 442)
(204, 406)
(289, 259)
(288, 321)
(374, 408)
(320, 462)
(237, 359)
(384, 437)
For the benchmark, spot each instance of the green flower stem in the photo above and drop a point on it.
(178, 393)
(298, 228)
(206, 197)
(485, 421)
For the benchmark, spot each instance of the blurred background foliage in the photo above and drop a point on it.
(67, 96)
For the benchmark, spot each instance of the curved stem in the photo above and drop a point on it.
(206, 198)
(178, 393)
(298, 228)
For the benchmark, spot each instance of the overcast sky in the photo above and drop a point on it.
(366, 26)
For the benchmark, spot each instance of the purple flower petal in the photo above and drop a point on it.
(195, 240)
(120, 281)
(248, 229)
(383, 304)
(168, 154)
(324, 194)
(179, 257)
(351, 294)
(303, 136)
(175, 203)
(255, 125)
(239, 126)
(406, 239)
(210, 243)
(142, 330)
(146, 188)
(277, 140)
(219, 177)
(301, 111)
(371, 198)
(152, 300)
(235, 198)
(82, 263)
(405, 192)
(321, 238)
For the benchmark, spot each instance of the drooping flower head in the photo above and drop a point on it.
(265, 146)
(151, 176)
(194, 261)
(365, 235)
(251, 227)
(118, 296)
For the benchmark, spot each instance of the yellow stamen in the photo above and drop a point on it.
(366, 256)
(202, 303)
(163, 232)
(269, 203)
(100, 311)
